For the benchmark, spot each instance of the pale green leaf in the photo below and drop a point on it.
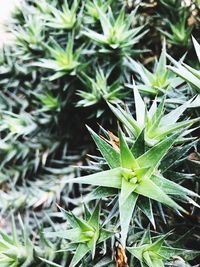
(108, 152)
(111, 178)
(126, 211)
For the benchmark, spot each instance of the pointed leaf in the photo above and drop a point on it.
(81, 251)
(126, 210)
(138, 147)
(146, 207)
(148, 189)
(108, 152)
(153, 156)
(111, 178)
(127, 159)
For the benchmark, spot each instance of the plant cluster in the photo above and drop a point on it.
(129, 70)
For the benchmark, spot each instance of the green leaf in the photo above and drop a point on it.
(111, 178)
(156, 246)
(127, 159)
(81, 251)
(108, 152)
(75, 221)
(95, 217)
(197, 47)
(138, 147)
(139, 106)
(126, 189)
(146, 207)
(149, 189)
(104, 235)
(172, 188)
(72, 234)
(155, 119)
(137, 252)
(126, 210)
(126, 119)
(154, 155)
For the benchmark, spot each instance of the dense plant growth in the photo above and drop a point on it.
(100, 152)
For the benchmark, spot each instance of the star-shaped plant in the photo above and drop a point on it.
(98, 89)
(157, 82)
(13, 251)
(65, 18)
(134, 172)
(30, 37)
(189, 74)
(64, 61)
(91, 9)
(179, 32)
(117, 33)
(155, 252)
(155, 123)
(86, 233)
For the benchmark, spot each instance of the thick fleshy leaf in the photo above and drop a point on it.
(137, 251)
(75, 221)
(155, 119)
(111, 178)
(156, 246)
(169, 252)
(139, 106)
(108, 152)
(139, 145)
(162, 131)
(154, 155)
(72, 234)
(126, 189)
(146, 207)
(186, 75)
(172, 188)
(126, 119)
(175, 114)
(197, 47)
(149, 189)
(81, 251)
(127, 159)
(126, 211)
(104, 235)
(95, 217)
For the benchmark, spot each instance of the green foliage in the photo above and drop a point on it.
(156, 125)
(73, 63)
(117, 36)
(158, 82)
(189, 74)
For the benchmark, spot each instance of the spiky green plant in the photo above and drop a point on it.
(157, 82)
(92, 10)
(155, 123)
(64, 61)
(85, 233)
(117, 36)
(65, 18)
(179, 32)
(99, 90)
(43, 136)
(14, 252)
(134, 172)
(155, 252)
(189, 74)
(31, 36)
